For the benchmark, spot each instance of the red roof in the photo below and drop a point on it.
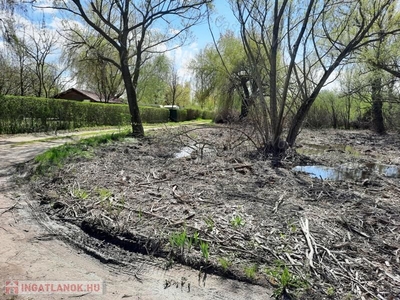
(80, 95)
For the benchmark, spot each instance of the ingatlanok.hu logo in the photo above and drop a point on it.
(24, 287)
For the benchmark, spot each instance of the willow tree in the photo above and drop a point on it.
(83, 52)
(134, 28)
(153, 82)
(221, 72)
(302, 45)
(383, 55)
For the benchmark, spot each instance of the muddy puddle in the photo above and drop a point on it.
(194, 151)
(184, 152)
(350, 171)
(347, 171)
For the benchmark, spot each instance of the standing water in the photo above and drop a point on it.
(350, 171)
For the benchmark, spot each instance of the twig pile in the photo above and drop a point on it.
(340, 237)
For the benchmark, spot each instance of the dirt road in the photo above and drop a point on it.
(28, 252)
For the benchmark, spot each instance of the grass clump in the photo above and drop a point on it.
(104, 193)
(181, 241)
(80, 193)
(204, 250)
(285, 282)
(225, 263)
(251, 271)
(237, 221)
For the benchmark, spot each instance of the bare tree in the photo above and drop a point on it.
(39, 46)
(7, 75)
(301, 45)
(20, 60)
(174, 91)
(134, 28)
(31, 49)
(83, 52)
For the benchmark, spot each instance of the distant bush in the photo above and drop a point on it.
(193, 114)
(227, 116)
(188, 114)
(318, 117)
(181, 115)
(206, 114)
(331, 111)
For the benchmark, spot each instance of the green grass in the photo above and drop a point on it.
(178, 240)
(103, 193)
(225, 263)
(55, 157)
(210, 223)
(285, 281)
(237, 221)
(80, 193)
(177, 124)
(205, 252)
(251, 271)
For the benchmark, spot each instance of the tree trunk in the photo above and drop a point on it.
(334, 118)
(303, 110)
(377, 103)
(136, 122)
(348, 111)
(245, 99)
(298, 120)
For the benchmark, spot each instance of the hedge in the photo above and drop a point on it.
(30, 114)
(189, 114)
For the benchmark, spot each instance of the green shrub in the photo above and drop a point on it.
(182, 115)
(193, 114)
(207, 115)
(188, 114)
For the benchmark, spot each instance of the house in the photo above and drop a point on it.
(82, 95)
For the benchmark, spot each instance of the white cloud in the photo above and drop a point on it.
(182, 57)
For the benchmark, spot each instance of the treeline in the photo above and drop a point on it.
(30, 114)
(337, 110)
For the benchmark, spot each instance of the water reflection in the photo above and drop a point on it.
(350, 171)
(185, 152)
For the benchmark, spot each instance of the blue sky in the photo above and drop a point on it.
(222, 20)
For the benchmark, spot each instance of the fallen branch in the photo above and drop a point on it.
(375, 265)
(307, 235)
(9, 208)
(278, 203)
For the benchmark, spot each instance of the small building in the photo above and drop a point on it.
(171, 106)
(82, 95)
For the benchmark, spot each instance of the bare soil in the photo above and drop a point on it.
(337, 239)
